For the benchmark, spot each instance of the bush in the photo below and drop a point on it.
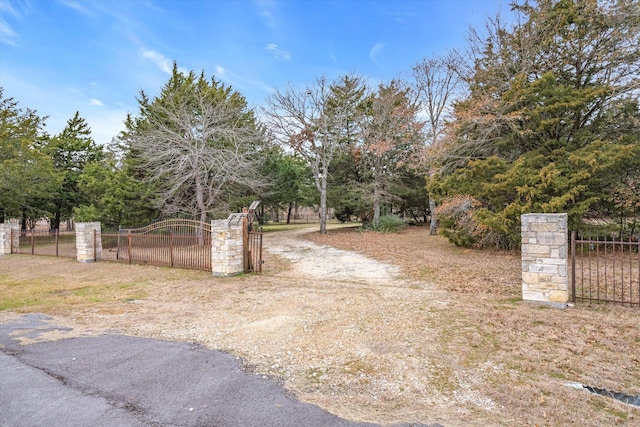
(389, 224)
(464, 222)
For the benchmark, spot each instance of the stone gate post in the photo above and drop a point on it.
(88, 249)
(544, 259)
(227, 247)
(5, 236)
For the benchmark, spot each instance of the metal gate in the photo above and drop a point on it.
(44, 242)
(179, 243)
(605, 270)
(253, 252)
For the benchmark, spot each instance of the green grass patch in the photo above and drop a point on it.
(46, 296)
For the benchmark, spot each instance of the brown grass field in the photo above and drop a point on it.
(450, 343)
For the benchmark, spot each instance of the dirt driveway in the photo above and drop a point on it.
(416, 331)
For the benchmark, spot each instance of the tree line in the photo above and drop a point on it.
(537, 115)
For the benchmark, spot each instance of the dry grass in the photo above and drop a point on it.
(453, 344)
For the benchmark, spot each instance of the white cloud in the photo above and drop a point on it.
(77, 6)
(7, 34)
(277, 52)
(265, 8)
(96, 102)
(5, 7)
(376, 51)
(161, 61)
(220, 71)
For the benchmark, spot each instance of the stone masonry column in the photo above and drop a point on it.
(85, 244)
(5, 236)
(544, 259)
(227, 249)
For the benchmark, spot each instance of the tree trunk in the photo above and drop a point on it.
(433, 227)
(289, 213)
(202, 208)
(55, 223)
(376, 210)
(323, 201)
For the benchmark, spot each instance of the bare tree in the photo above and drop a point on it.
(316, 122)
(436, 84)
(195, 143)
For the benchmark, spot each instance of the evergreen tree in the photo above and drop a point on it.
(27, 176)
(71, 151)
(550, 123)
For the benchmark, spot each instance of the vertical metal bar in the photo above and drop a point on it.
(573, 265)
(245, 244)
(613, 263)
(57, 240)
(588, 241)
(622, 245)
(170, 249)
(598, 264)
(585, 279)
(33, 243)
(95, 245)
(606, 269)
(129, 245)
(260, 250)
(631, 245)
(254, 253)
(11, 242)
(638, 247)
(589, 265)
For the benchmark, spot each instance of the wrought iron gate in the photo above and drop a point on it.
(253, 252)
(180, 243)
(605, 270)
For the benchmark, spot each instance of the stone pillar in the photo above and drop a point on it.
(227, 250)
(544, 259)
(85, 245)
(5, 236)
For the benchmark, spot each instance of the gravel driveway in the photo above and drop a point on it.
(113, 379)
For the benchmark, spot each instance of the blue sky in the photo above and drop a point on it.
(63, 56)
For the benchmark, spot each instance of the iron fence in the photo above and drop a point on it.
(605, 270)
(45, 242)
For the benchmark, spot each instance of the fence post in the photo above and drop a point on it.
(544, 258)
(129, 245)
(227, 251)
(9, 237)
(88, 241)
(170, 248)
(573, 266)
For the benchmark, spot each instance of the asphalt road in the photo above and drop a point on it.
(117, 380)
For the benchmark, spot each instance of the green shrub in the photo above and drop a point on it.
(389, 224)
